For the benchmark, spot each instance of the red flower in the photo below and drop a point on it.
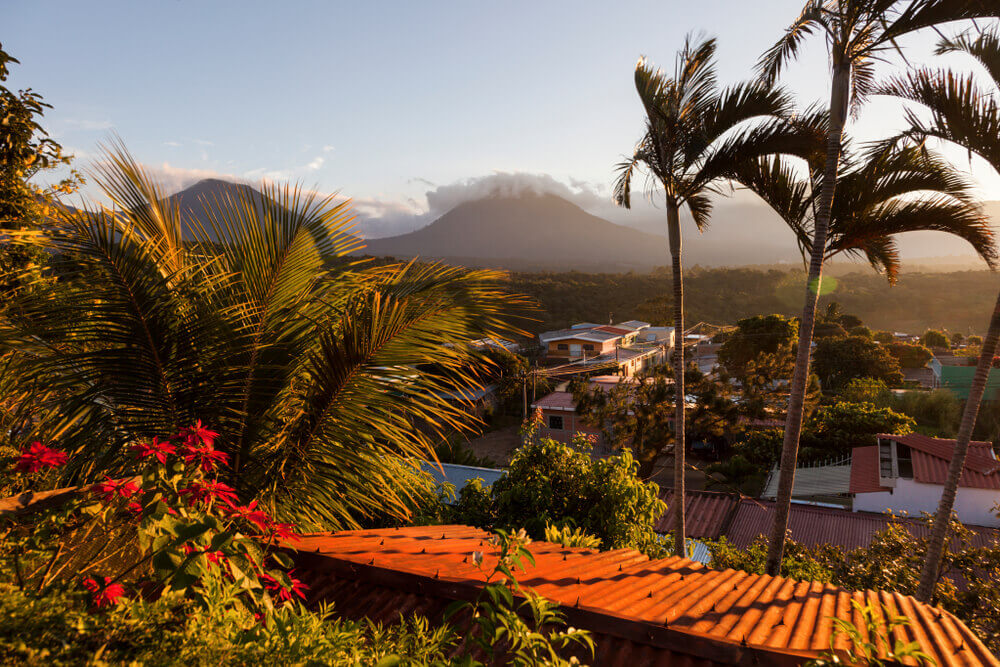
(111, 488)
(213, 557)
(135, 507)
(155, 448)
(283, 532)
(38, 456)
(251, 514)
(280, 592)
(105, 594)
(206, 457)
(209, 490)
(198, 433)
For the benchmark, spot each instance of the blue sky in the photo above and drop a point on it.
(383, 101)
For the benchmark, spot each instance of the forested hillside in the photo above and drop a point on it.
(959, 301)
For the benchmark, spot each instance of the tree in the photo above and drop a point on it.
(884, 337)
(261, 332)
(834, 430)
(754, 336)
(695, 135)
(910, 355)
(867, 390)
(25, 150)
(857, 32)
(935, 338)
(551, 483)
(839, 360)
(975, 341)
(957, 338)
(965, 114)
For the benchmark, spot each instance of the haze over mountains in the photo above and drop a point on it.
(530, 231)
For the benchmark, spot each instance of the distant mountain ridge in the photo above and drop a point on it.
(545, 231)
(537, 232)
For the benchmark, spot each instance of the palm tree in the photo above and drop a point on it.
(891, 193)
(965, 114)
(695, 136)
(858, 33)
(259, 325)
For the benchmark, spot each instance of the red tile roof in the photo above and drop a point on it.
(931, 457)
(645, 611)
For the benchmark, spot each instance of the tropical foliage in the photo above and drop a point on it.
(313, 369)
(967, 115)
(551, 484)
(858, 33)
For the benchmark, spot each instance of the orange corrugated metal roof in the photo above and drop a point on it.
(726, 617)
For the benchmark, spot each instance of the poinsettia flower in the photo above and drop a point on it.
(251, 513)
(103, 594)
(283, 532)
(109, 489)
(206, 490)
(196, 433)
(281, 593)
(134, 507)
(213, 557)
(156, 448)
(206, 458)
(37, 456)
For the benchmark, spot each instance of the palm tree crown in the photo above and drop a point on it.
(964, 113)
(308, 364)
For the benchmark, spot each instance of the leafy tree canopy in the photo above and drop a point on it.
(839, 360)
(935, 338)
(910, 355)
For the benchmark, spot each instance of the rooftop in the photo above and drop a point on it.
(669, 611)
(931, 457)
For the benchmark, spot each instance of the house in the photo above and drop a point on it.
(625, 348)
(639, 611)
(907, 473)
(559, 418)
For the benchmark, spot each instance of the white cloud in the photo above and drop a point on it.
(89, 124)
(328, 148)
(203, 142)
(172, 144)
(316, 163)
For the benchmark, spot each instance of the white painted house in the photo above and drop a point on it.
(906, 473)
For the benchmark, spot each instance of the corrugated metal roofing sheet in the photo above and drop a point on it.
(726, 617)
(931, 457)
(812, 525)
(865, 471)
(557, 400)
(706, 513)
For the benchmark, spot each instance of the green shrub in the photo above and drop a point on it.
(549, 482)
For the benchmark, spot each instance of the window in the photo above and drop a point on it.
(588, 347)
(562, 346)
(885, 459)
(555, 422)
(904, 461)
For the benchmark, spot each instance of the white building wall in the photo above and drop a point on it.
(974, 506)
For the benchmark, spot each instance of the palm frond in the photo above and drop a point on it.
(810, 20)
(985, 48)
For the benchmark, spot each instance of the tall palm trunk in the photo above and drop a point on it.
(942, 518)
(839, 95)
(674, 236)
